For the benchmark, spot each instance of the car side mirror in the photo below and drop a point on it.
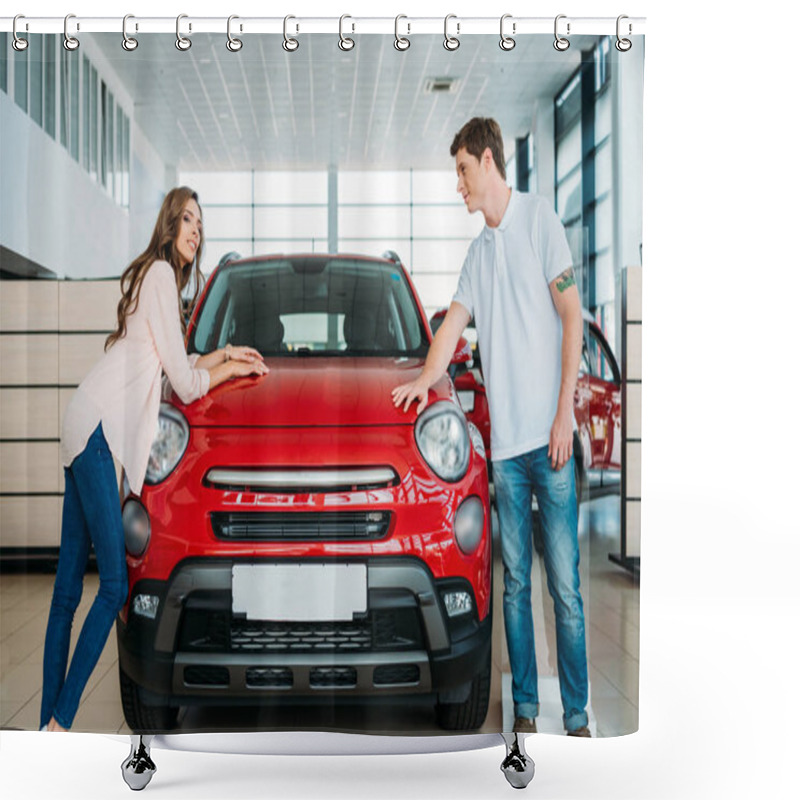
(462, 354)
(461, 360)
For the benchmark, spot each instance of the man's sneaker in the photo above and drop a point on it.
(524, 725)
(583, 731)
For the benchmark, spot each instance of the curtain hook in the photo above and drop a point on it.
(289, 44)
(451, 42)
(233, 44)
(561, 43)
(70, 42)
(128, 42)
(400, 42)
(623, 45)
(19, 44)
(181, 42)
(345, 43)
(507, 42)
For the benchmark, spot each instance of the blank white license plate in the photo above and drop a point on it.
(299, 592)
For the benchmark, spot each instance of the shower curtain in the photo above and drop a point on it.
(324, 173)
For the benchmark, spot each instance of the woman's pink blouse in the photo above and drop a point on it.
(123, 389)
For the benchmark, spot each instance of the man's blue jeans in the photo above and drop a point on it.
(91, 516)
(515, 480)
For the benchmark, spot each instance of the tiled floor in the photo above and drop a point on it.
(611, 600)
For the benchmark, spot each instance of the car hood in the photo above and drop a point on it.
(300, 391)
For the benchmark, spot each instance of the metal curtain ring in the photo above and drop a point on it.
(70, 42)
(507, 42)
(181, 42)
(345, 43)
(451, 42)
(561, 44)
(289, 44)
(623, 45)
(400, 42)
(19, 44)
(128, 42)
(233, 44)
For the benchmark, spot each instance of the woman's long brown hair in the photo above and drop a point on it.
(160, 249)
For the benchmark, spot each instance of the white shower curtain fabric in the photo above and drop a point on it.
(304, 554)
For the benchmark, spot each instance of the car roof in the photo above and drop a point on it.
(309, 257)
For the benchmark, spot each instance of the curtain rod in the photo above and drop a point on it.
(74, 25)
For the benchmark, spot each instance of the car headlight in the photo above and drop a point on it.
(169, 445)
(477, 440)
(442, 438)
(136, 527)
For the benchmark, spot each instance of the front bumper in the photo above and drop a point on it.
(197, 651)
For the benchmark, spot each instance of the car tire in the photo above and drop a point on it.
(141, 717)
(536, 523)
(470, 714)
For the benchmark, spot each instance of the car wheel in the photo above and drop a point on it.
(141, 717)
(470, 714)
(538, 537)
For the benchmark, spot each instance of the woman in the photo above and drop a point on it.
(115, 410)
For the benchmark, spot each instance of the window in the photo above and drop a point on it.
(597, 360)
(417, 214)
(107, 140)
(91, 132)
(61, 92)
(308, 305)
(126, 161)
(36, 63)
(85, 154)
(49, 99)
(258, 213)
(521, 168)
(21, 79)
(602, 65)
(118, 158)
(70, 102)
(568, 154)
(4, 61)
(74, 104)
(584, 175)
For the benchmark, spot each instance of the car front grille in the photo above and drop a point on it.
(293, 481)
(269, 678)
(270, 637)
(333, 678)
(395, 629)
(329, 526)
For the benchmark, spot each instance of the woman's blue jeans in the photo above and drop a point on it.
(91, 516)
(515, 480)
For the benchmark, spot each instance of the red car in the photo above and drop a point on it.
(598, 412)
(297, 535)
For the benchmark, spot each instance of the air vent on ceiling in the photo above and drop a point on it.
(440, 85)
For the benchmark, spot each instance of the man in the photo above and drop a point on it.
(517, 282)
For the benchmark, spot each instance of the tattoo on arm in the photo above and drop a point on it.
(565, 280)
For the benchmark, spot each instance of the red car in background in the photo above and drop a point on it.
(598, 412)
(297, 535)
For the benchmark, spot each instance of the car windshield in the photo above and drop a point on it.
(311, 306)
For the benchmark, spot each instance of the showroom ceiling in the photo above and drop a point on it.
(372, 107)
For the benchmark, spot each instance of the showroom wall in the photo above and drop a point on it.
(57, 187)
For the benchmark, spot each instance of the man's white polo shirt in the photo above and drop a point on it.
(504, 284)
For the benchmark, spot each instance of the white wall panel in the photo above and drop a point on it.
(29, 305)
(28, 359)
(29, 414)
(30, 521)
